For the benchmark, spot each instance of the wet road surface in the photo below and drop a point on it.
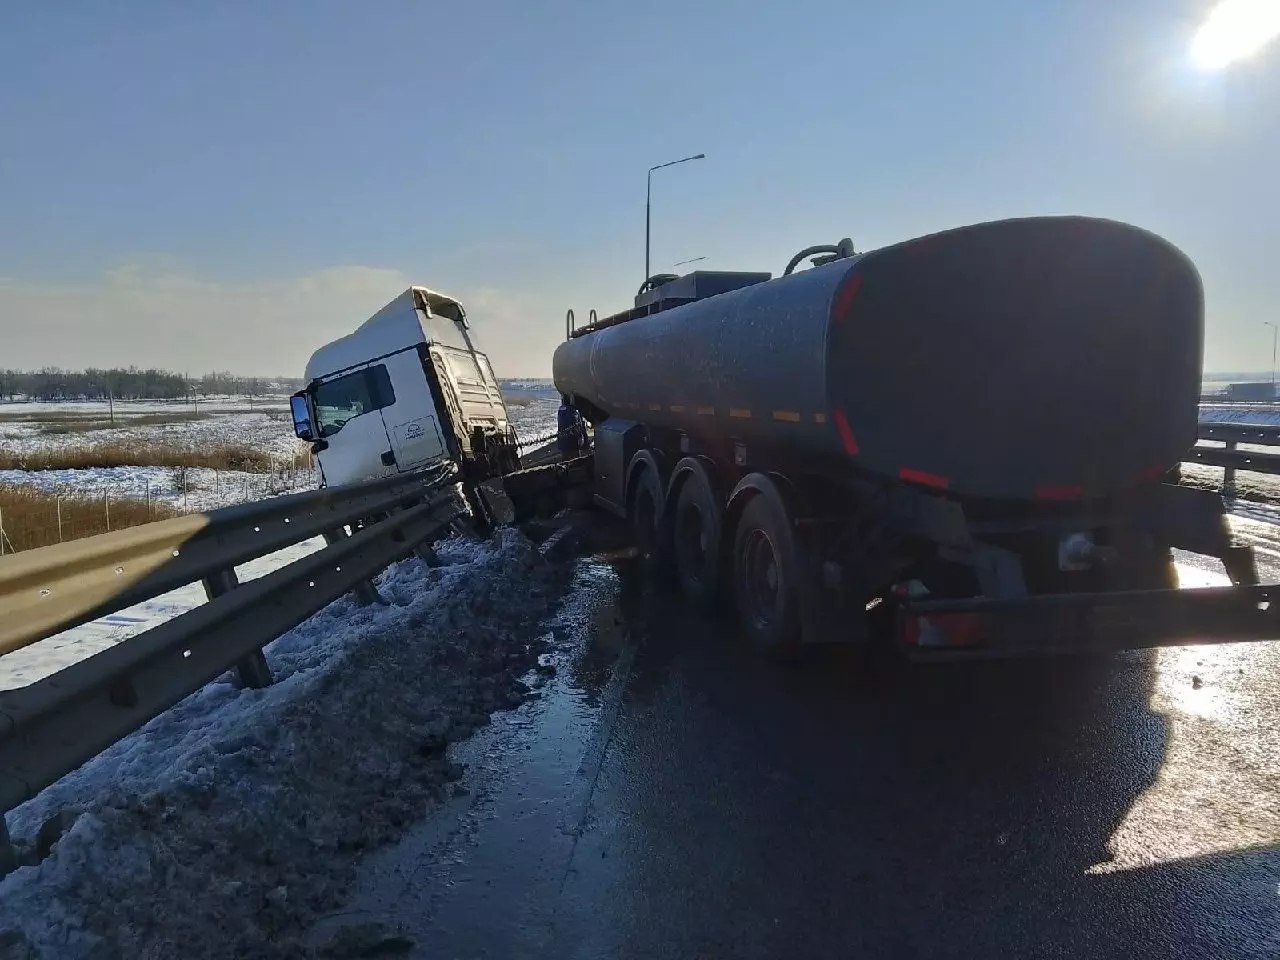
(669, 795)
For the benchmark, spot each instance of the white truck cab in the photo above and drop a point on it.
(406, 390)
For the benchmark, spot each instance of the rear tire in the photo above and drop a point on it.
(645, 515)
(695, 532)
(765, 584)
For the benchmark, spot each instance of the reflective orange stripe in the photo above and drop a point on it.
(789, 416)
(740, 413)
(677, 408)
(707, 411)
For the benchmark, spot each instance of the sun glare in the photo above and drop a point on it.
(1234, 30)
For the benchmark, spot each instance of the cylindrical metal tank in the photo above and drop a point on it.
(1051, 358)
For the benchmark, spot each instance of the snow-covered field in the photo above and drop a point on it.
(268, 429)
(32, 428)
(189, 490)
(1262, 415)
(229, 823)
(535, 419)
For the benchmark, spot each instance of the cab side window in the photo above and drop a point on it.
(337, 402)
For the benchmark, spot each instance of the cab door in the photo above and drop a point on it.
(412, 421)
(354, 444)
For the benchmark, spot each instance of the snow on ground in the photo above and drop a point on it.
(229, 823)
(535, 419)
(271, 432)
(189, 490)
(52, 409)
(1262, 415)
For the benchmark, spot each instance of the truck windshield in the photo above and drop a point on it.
(341, 400)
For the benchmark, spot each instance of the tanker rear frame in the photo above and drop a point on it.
(811, 554)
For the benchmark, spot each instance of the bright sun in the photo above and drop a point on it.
(1235, 29)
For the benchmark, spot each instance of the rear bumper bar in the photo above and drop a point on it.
(1084, 622)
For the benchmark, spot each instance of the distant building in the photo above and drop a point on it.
(1251, 392)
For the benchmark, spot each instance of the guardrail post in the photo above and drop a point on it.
(1229, 474)
(8, 860)
(366, 593)
(253, 671)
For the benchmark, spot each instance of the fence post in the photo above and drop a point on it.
(57, 502)
(253, 671)
(1, 531)
(366, 593)
(106, 507)
(1229, 474)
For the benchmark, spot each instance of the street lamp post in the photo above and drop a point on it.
(648, 194)
(1274, 331)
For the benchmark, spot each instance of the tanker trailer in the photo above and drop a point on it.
(965, 435)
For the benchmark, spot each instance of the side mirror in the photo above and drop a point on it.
(301, 417)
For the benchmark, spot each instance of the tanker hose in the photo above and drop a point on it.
(838, 251)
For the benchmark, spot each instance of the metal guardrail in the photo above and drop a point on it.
(1229, 456)
(54, 725)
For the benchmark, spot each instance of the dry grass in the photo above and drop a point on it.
(139, 454)
(29, 516)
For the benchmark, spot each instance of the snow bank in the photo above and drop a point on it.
(229, 823)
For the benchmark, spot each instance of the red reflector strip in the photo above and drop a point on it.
(1063, 491)
(945, 630)
(844, 302)
(926, 479)
(846, 432)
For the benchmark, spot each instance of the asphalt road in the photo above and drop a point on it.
(668, 795)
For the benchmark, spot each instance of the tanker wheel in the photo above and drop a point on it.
(765, 571)
(646, 514)
(696, 539)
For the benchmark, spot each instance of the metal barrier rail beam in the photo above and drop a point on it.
(1234, 459)
(1240, 433)
(53, 726)
(50, 589)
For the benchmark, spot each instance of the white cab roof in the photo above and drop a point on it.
(402, 323)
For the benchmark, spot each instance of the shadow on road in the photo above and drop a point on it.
(747, 810)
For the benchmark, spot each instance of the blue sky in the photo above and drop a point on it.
(229, 185)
